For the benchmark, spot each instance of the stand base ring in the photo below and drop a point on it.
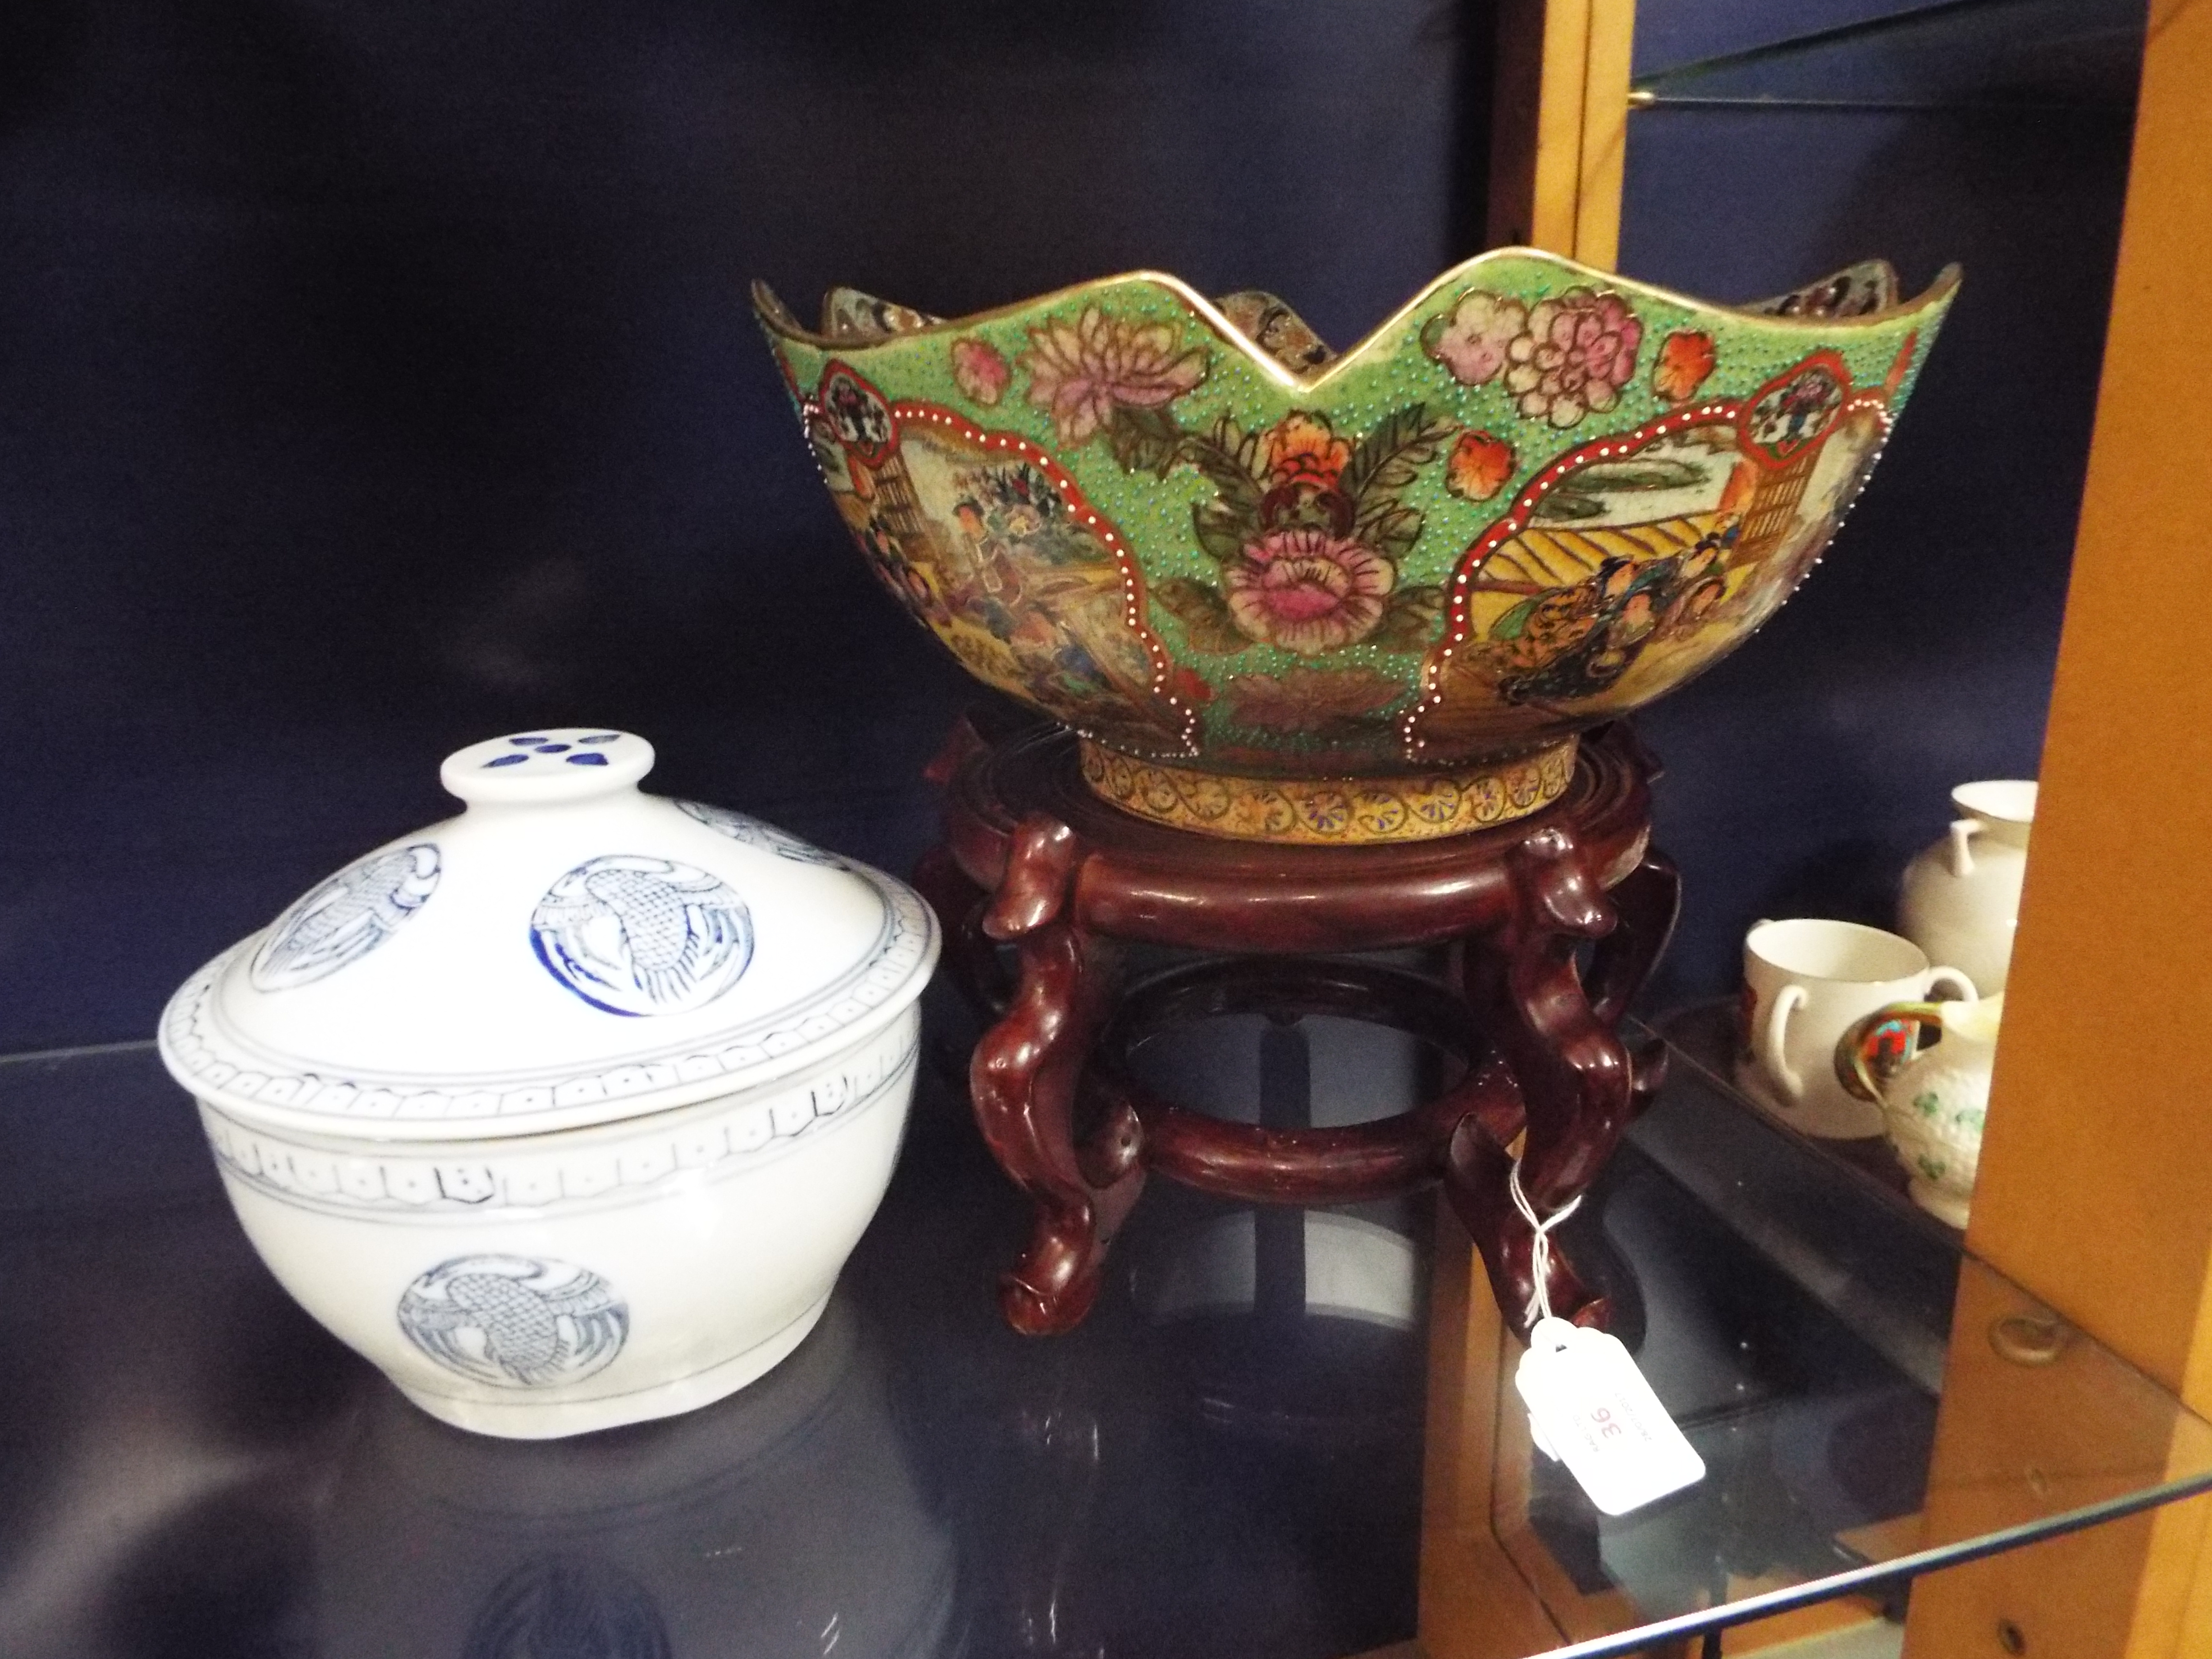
(1331, 812)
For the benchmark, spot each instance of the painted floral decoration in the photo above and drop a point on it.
(1479, 466)
(1685, 359)
(1092, 374)
(1474, 340)
(1560, 358)
(980, 371)
(1308, 591)
(1308, 527)
(1303, 450)
(1575, 355)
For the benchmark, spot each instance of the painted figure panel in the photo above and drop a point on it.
(991, 546)
(1645, 558)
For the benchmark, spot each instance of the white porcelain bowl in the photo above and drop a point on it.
(565, 1113)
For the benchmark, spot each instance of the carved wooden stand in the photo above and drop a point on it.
(1032, 858)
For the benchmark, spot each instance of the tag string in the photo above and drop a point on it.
(1540, 1251)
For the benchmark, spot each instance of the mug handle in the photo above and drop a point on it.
(1957, 980)
(1865, 1058)
(1787, 1001)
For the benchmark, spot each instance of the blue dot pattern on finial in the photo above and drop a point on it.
(529, 744)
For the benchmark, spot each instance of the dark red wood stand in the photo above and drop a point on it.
(1032, 859)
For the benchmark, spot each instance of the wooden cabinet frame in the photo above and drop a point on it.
(2095, 1191)
(1559, 127)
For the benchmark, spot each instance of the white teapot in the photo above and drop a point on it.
(1934, 1097)
(1961, 896)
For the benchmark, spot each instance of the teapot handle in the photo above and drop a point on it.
(1866, 1056)
(1963, 831)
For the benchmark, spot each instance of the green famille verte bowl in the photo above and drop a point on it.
(1285, 594)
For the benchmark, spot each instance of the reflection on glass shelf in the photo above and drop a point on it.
(1871, 1403)
(1966, 54)
(1227, 1459)
(735, 1528)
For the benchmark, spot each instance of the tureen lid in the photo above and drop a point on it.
(568, 950)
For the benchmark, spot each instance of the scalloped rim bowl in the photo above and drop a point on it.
(1285, 594)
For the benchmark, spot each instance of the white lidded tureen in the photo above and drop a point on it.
(567, 1111)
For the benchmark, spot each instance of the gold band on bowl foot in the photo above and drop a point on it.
(1331, 812)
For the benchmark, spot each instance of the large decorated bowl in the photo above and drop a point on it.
(1289, 595)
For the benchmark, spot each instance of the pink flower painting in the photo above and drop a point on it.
(1081, 372)
(980, 371)
(1308, 591)
(1474, 340)
(1578, 352)
(1308, 525)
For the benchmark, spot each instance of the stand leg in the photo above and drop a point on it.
(1476, 1173)
(1578, 1083)
(1024, 1078)
(1649, 900)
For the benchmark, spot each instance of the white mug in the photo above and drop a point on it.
(1807, 981)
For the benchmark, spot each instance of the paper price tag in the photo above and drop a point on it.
(1590, 1408)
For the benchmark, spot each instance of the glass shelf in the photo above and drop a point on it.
(1227, 1458)
(1963, 54)
(1912, 1409)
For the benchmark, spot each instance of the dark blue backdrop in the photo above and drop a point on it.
(374, 377)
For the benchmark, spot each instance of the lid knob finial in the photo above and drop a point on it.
(546, 766)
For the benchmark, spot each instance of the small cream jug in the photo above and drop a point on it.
(1961, 896)
(1934, 1097)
